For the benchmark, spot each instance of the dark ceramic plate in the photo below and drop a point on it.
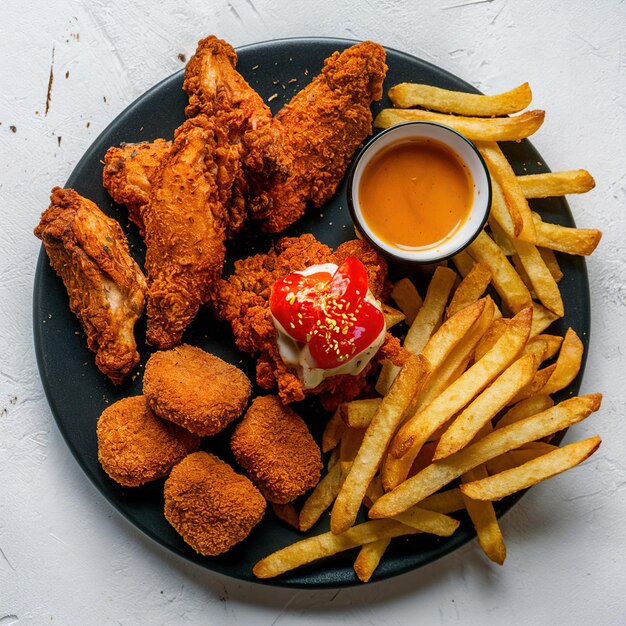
(78, 392)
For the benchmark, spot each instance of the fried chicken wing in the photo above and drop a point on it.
(214, 85)
(186, 221)
(313, 138)
(129, 173)
(243, 300)
(105, 286)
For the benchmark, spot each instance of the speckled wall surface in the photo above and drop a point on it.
(66, 557)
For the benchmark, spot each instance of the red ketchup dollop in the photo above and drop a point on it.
(330, 314)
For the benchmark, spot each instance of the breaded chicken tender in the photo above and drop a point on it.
(273, 444)
(210, 505)
(135, 446)
(195, 389)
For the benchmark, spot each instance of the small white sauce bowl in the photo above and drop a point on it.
(467, 154)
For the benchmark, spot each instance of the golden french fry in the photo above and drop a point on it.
(542, 318)
(333, 459)
(510, 481)
(553, 343)
(370, 554)
(428, 521)
(421, 518)
(567, 364)
(463, 263)
(407, 95)
(556, 183)
(451, 332)
(582, 241)
(496, 329)
(327, 544)
(406, 296)
(503, 215)
(333, 431)
(351, 441)
(484, 519)
(394, 469)
(359, 413)
(536, 385)
(485, 407)
(501, 440)
(431, 313)
(369, 557)
(474, 128)
(502, 172)
(415, 431)
(392, 316)
(549, 258)
(445, 502)
(388, 373)
(541, 446)
(521, 270)
(287, 513)
(512, 459)
(321, 498)
(505, 279)
(377, 436)
(470, 289)
(544, 346)
(536, 347)
(498, 234)
(540, 277)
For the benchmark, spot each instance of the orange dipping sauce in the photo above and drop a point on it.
(414, 194)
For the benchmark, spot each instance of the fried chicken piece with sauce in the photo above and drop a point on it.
(187, 219)
(313, 138)
(195, 389)
(243, 300)
(210, 505)
(135, 446)
(273, 444)
(129, 172)
(89, 251)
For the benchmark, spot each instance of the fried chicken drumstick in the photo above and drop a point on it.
(88, 250)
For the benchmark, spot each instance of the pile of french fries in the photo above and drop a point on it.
(472, 403)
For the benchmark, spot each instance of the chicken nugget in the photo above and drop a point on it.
(135, 446)
(210, 505)
(273, 444)
(195, 389)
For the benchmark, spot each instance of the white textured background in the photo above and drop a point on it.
(66, 557)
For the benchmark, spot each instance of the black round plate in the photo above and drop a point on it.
(78, 392)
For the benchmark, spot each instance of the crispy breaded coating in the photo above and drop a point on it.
(243, 300)
(187, 219)
(195, 389)
(129, 172)
(135, 446)
(210, 505)
(273, 444)
(107, 290)
(314, 137)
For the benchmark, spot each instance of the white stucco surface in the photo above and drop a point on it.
(66, 556)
